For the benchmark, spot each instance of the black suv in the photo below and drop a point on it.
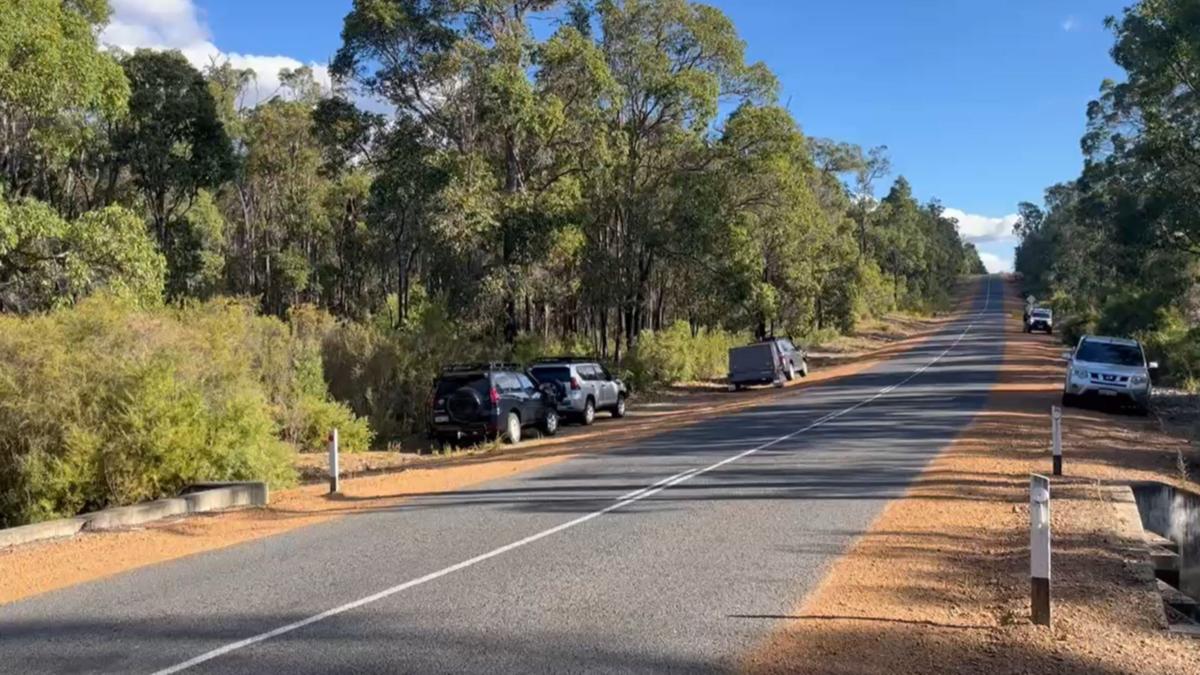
(489, 400)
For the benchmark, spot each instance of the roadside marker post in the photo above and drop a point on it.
(1039, 549)
(334, 476)
(1056, 438)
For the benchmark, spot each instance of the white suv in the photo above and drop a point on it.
(1107, 367)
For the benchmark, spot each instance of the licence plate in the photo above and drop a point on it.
(441, 418)
(1107, 392)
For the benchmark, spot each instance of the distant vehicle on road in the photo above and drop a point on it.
(1039, 318)
(1108, 368)
(584, 385)
(489, 400)
(770, 361)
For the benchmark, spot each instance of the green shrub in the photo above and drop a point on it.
(107, 404)
(386, 375)
(1176, 347)
(676, 355)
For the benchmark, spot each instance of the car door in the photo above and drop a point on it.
(610, 386)
(532, 399)
(604, 389)
(511, 395)
(797, 355)
(591, 387)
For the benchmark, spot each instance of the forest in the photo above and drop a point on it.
(1116, 250)
(193, 287)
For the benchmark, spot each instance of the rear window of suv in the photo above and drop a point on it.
(1104, 352)
(551, 374)
(448, 384)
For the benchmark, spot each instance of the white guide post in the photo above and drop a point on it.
(1039, 549)
(334, 476)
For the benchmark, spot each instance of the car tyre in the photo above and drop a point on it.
(790, 373)
(1069, 400)
(512, 429)
(549, 423)
(804, 368)
(618, 410)
(589, 412)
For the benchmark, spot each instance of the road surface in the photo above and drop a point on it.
(678, 552)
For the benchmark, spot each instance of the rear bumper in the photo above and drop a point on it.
(755, 377)
(1040, 325)
(463, 429)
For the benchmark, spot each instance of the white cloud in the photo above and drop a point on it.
(1069, 24)
(995, 263)
(977, 228)
(178, 24)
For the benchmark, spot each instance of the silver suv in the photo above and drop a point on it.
(586, 387)
(1108, 368)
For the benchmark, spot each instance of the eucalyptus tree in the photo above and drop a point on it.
(57, 91)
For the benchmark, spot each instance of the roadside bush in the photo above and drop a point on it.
(1177, 348)
(385, 375)
(107, 404)
(676, 355)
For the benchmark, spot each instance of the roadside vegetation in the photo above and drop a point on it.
(1117, 250)
(194, 287)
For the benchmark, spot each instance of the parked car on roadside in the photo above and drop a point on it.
(1108, 368)
(772, 360)
(488, 401)
(1039, 318)
(585, 387)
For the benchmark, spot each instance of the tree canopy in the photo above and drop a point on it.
(624, 171)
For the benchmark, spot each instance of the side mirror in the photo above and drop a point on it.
(1153, 365)
(1066, 356)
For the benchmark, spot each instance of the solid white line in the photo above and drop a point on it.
(631, 498)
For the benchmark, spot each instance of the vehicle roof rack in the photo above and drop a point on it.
(565, 359)
(480, 366)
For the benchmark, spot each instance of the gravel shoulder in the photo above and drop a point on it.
(940, 581)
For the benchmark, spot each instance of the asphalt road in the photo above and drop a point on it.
(675, 553)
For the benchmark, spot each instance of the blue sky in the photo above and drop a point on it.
(981, 104)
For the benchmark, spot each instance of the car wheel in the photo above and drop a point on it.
(589, 413)
(1069, 400)
(790, 373)
(618, 410)
(549, 424)
(804, 369)
(512, 429)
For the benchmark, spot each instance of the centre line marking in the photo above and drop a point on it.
(630, 498)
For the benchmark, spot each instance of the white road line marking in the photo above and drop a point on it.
(633, 497)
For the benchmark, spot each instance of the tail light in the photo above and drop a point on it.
(575, 386)
(493, 396)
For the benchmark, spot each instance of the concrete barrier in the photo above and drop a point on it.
(53, 529)
(216, 496)
(128, 516)
(197, 498)
(1174, 514)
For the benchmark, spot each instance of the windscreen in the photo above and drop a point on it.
(1041, 314)
(448, 384)
(1117, 355)
(551, 374)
